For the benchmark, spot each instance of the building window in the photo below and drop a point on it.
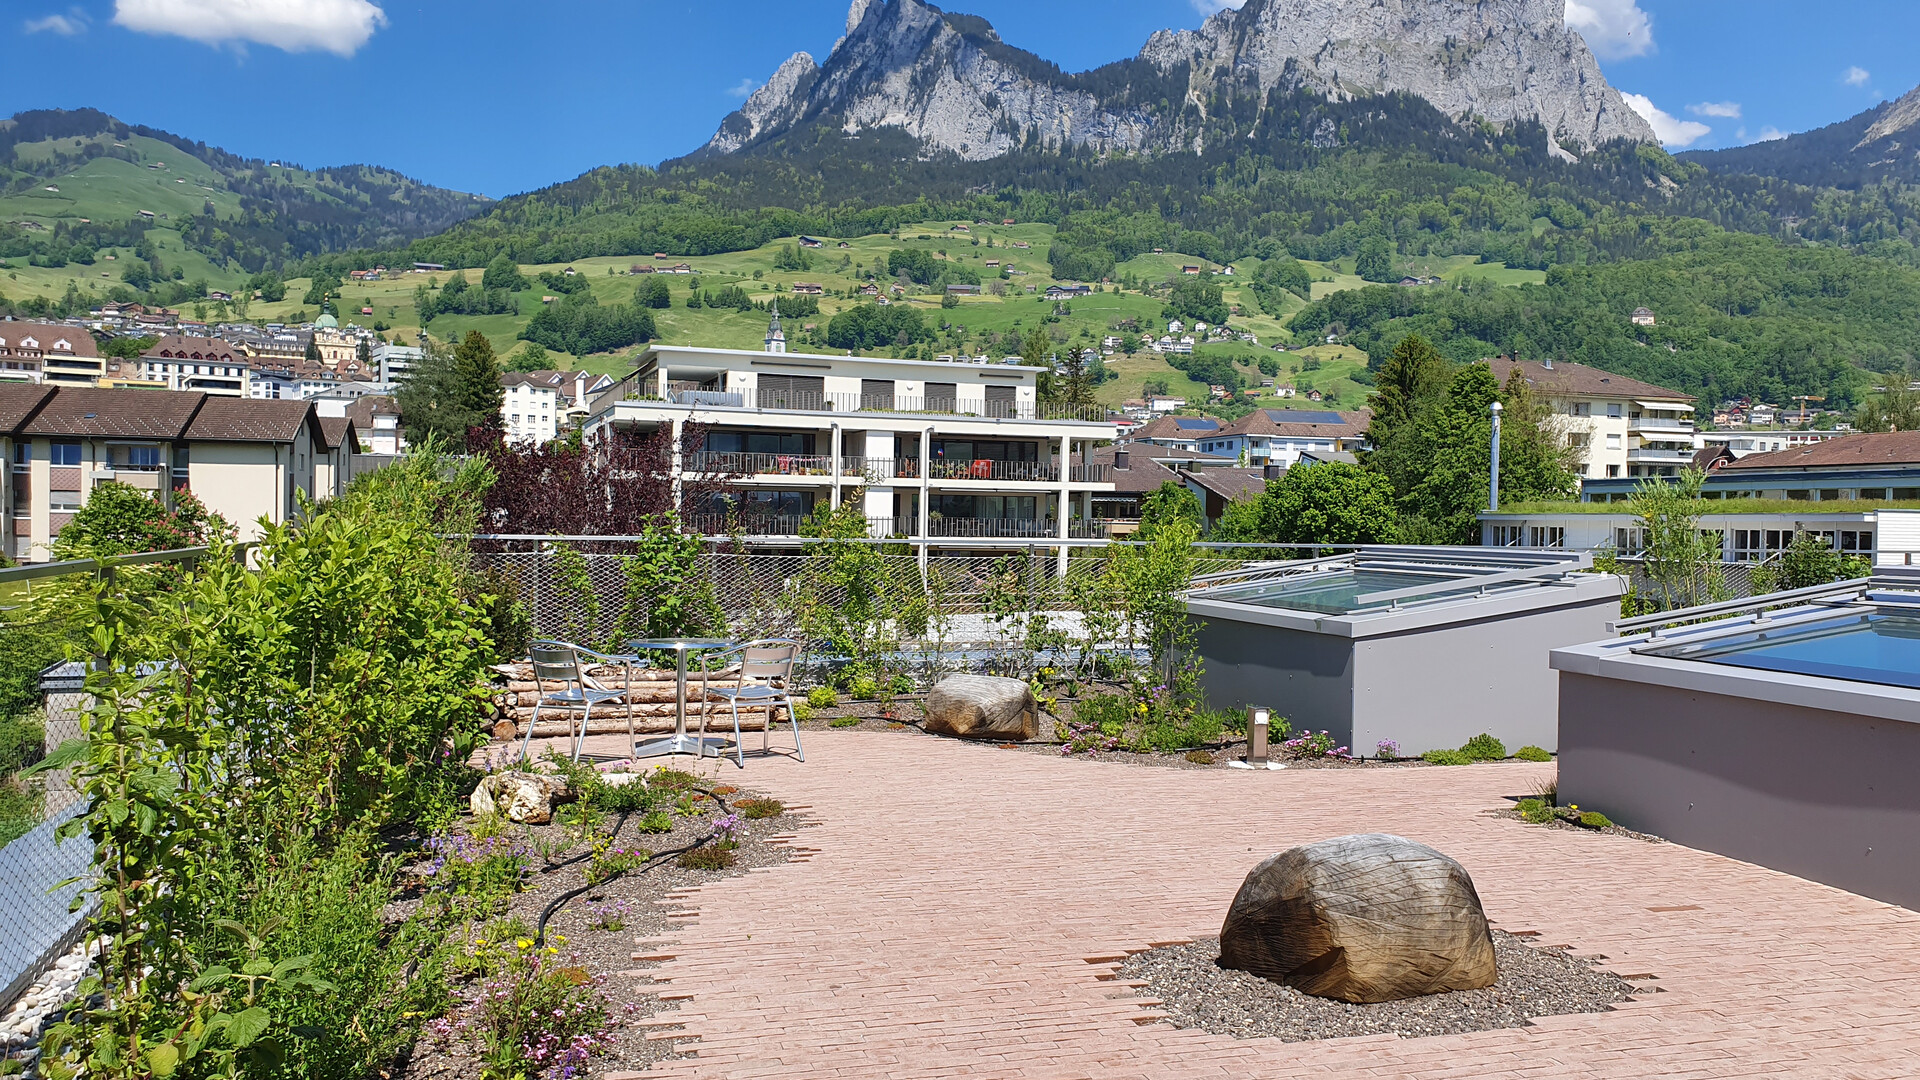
(1580, 408)
(22, 453)
(1505, 535)
(1547, 536)
(64, 500)
(1613, 441)
(1629, 541)
(1613, 471)
(1613, 411)
(65, 453)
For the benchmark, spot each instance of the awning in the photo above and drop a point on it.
(1665, 406)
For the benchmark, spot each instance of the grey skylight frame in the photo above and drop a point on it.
(1496, 571)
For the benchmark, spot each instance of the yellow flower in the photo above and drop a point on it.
(525, 943)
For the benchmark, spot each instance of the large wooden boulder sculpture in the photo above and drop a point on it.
(983, 707)
(1360, 918)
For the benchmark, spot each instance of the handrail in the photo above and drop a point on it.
(1834, 591)
(32, 571)
(1392, 596)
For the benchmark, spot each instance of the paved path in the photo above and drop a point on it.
(946, 924)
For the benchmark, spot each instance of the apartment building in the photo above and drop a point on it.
(48, 352)
(1869, 467)
(935, 450)
(539, 405)
(1888, 536)
(178, 362)
(245, 459)
(396, 363)
(1184, 433)
(1621, 428)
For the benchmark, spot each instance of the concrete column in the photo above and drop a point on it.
(836, 442)
(1064, 504)
(40, 501)
(679, 462)
(926, 492)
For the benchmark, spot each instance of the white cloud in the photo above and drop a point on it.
(1856, 76)
(1669, 129)
(1771, 134)
(1208, 7)
(335, 26)
(74, 22)
(1725, 110)
(746, 87)
(1613, 29)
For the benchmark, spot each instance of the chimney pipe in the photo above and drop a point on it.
(1122, 460)
(1270, 471)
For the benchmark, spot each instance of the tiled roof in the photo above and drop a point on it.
(127, 414)
(338, 431)
(1580, 379)
(1890, 448)
(1323, 423)
(1177, 427)
(361, 410)
(179, 346)
(227, 419)
(46, 334)
(1230, 484)
(1141, 474)
(18, 400)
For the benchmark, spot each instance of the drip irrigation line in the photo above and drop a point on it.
(540, 931)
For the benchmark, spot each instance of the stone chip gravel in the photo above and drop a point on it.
(1195, 992)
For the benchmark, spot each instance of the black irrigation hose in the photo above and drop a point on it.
(540, 932)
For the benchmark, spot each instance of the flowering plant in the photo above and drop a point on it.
(1087, 739)
(1387, 750)
(478, 866)
(608, 914)
(610, 862)
(1315, 745)
(533, 1015)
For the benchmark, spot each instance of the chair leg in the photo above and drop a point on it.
(580, 739)
(526, 744)
(739, 744)
(798, 751)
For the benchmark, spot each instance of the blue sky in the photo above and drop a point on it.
(500, 96)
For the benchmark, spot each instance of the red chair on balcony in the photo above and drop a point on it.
(982, 470)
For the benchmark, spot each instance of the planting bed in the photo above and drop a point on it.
(615, 958)
(1512, 814)
(1195, 992)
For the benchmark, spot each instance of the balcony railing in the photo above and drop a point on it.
(1660, 423)
(855, 470)
(1660, 456)
(760, 464)
(906, 528)
(961, 404)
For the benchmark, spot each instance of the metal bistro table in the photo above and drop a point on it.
(680, 742)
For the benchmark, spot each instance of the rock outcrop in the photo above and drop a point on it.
(949, 81)
(1360, 918)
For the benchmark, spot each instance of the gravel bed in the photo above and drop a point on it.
(1196, 992)
(1564, 825)
(30, 1014)
(609, 954)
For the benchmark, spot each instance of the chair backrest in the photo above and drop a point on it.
(555, 661)
(769, 660)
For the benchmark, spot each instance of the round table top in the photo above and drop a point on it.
(683, 644)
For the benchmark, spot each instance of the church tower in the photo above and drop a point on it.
(776, 338)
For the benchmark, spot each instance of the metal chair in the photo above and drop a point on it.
(766, 676)
(559, 661)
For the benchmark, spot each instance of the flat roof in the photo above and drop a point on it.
(655, 352)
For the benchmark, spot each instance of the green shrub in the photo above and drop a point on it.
(1200, 757)
(1484, 747)
(658, 821)
(844, 722)
(1594, 819)
(1446, 757)
(22, 741)
(760, 809)
(863, 688)
(614, 861)
(1534, 812)
(674, 780)
(1532, 753)
(822, 697)
(626, 798)
(22, 804)
(802, 711)
(1108, 712)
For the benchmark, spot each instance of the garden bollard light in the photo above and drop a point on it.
(1257, 723)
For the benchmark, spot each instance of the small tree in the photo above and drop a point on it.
(119, 519)
(1683, 561)
(1171, 503)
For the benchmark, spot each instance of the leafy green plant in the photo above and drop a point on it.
(1534, 812)
(609, 862)
(659, 821)
(1484, 747)
(863, 688)
(1445, 757)
(822, 697)
(534, 1014)
(707, 857)
(759, 809)
(627, 798)
(844, 722)
(1594, 819)
(1199, 757)
(802, 711)
(673, 780)
(1533, 753)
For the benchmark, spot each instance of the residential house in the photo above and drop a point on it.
(1068, 292)
(1281, 436)
(1643, 317)
(1190, 270)
(1138, 470)
(179, 362)
(1179, 433)
(333, 469)
(810, 242)
(534, 408)
(1870, 467)
(244, 459)
(943, 453)
(1219, 488)
(808, 288)
(963, 290)
(1619, 428)
(376, 420)
(395, 363)
(45, 352)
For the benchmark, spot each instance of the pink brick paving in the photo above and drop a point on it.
(944, 927)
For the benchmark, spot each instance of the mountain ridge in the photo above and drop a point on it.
(950, 82)
(1878, 146)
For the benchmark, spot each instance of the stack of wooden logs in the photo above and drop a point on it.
(649, 699)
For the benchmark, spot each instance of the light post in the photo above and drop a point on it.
(1493, 489)
(1258, 721)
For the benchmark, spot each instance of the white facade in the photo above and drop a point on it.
(531, 413)
(1890, 537)
(396, 363)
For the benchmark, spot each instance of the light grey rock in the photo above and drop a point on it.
(527, 798)
(949, 81)
(1364, 918)
(983, 707)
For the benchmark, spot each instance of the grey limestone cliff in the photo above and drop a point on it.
(950, 82)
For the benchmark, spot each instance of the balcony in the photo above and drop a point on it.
(760, 464)
(960, 405)
(1675, 424)
(1016, 471)
(902, 528)
(1658, 455)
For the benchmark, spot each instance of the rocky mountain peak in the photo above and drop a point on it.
(949, 81)
(1896, 118)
